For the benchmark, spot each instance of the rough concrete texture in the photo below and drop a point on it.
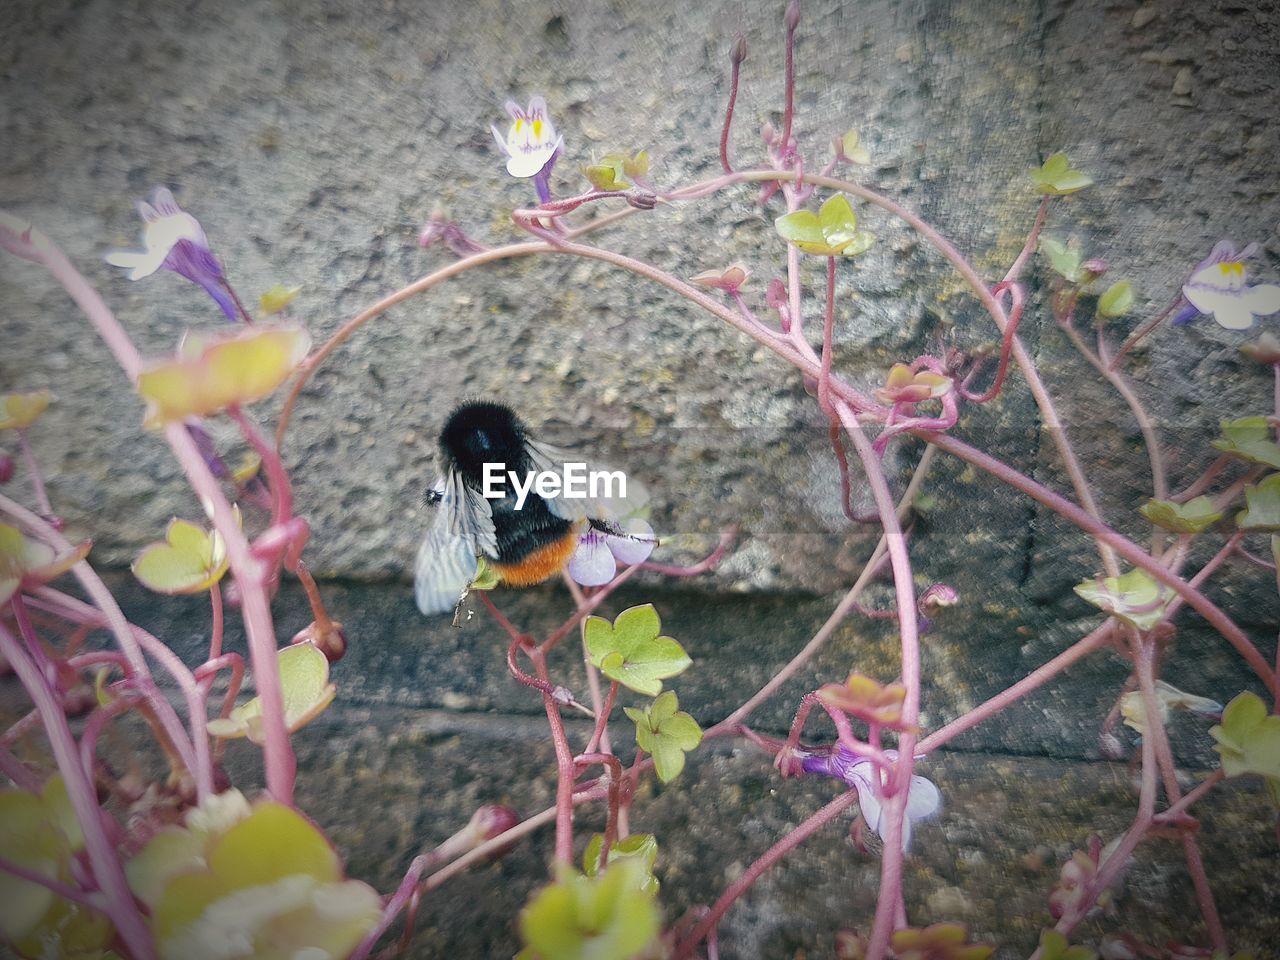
(313, 137)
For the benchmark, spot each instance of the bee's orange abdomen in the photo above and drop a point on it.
(541, 564)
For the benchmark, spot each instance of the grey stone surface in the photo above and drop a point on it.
(387, 783)
(312, 138)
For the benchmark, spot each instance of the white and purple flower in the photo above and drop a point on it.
(174, 240)
(1217, 287)
(923, 798)
(595, 561)
(531, 144)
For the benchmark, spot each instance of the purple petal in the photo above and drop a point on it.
(592, 565)
(198, 264)
(634, 548)
(1185, 315)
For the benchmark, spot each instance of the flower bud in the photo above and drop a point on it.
(1266, 349)
(7, 468)
(937, 598)
(738, 52)
(329, 640)
(1092, 269)
(792, 18)
(492, 820)
(642, 199)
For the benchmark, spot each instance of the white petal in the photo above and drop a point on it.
(139, 265)
(923, 799)
(1262, 299)
(1228, 308)
(592, 565)
(498, 138)
(527, 163)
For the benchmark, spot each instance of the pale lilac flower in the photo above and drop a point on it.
(1217, 288)
(531, 144)
(595, 561)
(174, 240)
(923, 798)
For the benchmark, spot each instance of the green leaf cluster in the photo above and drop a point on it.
(1249, 740)
(666, 733)
(831, 232)
(610, 916)
(631, 650)
(1136, 597)
(1251, 439)
(1194, 516)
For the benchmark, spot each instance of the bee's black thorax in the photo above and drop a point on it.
(479, 432)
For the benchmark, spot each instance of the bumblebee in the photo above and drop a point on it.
(524, 536)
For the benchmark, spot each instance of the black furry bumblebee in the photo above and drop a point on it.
(524, 536)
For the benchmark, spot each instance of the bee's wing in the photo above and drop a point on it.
(609, 505)
(446, 561)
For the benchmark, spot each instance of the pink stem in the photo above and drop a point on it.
(838, 615)
(736, 57)
(280, 763)
(97, 722)
(37, 478)
(1119, 544)
(1029, 247)
(395, 905)
(709, 563)
(1096, 638)
(895, 801)
(277, 479)
(108, 611)
(767, 860)
(23, 777)
(103, 860)
(61, 889)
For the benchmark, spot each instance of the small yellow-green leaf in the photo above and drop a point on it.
(1248, 738)
(606, 176)
(607, 917)
(665, 732)
(213, 373)
(1117, 301)
(1190, 517)
(19, 410)
(277, 297)
(1262, 505)
(631, 651)
(1250, 438)
(486, 577)
(26, 561)
(1136, 597)
(191, 560)
(852, 149)
(832, 232)
(304, 680)
(1065, 259)
(641, 847)
(1057, 177)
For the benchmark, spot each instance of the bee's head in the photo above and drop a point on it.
(479, 432)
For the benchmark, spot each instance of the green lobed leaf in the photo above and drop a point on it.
(1135, 597)
(642, 847)
(666, 733)
(191, 560)
(1065, 259)
(607, 917)
(1054, 946)
(304, 681)
(1117, 301)
(831, 232)
(1193, 516)
(1250, 438)
(1262, 505)
(1248, 739)
(1056, 177)
(630, 650)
